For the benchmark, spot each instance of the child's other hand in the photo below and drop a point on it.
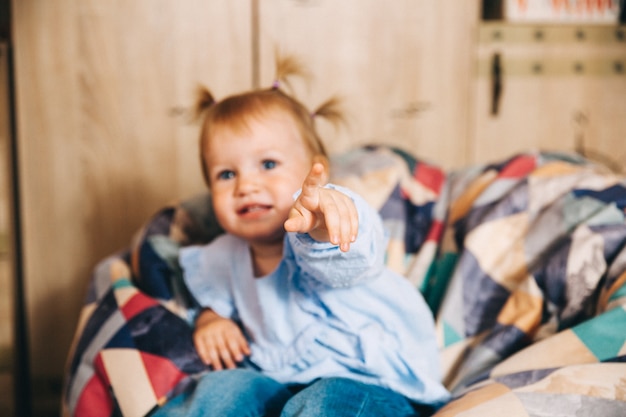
(327, 215)
(219, 341)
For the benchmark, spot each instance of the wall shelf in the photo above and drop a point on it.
(501, 32)
(533, 67)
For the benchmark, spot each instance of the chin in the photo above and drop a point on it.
(259, 233)
(267, 238)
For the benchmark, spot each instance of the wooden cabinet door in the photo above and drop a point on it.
(8, 351)
(103, 91)
(403, 68)
(561, 88)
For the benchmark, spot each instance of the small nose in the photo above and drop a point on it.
(246, 183)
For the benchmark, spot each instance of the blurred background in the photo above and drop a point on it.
(96, 131)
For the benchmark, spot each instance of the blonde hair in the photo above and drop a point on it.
(237, 110)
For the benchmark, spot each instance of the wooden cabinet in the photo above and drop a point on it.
(402, 68)
(7, 255)
(561, 87)
(103, 91)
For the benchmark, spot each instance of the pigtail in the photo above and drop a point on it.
(288, 67)
(330, 110)
(204, 100)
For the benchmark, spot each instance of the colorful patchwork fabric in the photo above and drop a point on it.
(523, 263)
(133, 348)
(533, 259)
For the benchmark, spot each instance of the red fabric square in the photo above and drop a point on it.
(136, 304)
(95, 400)
(430, 176)
(435, 231)
(163, 373)
(519, 167)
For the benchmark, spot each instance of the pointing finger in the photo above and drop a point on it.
(315, 178)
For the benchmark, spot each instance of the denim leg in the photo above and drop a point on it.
(233, 392)
(334, 397)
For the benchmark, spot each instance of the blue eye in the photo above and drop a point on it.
(269, 164)
(225, 175)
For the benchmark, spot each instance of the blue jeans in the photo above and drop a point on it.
(246, 393)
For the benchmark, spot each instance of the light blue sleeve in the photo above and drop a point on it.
(327, 264)
(207, 277)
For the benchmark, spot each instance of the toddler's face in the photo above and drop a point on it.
(253, 175)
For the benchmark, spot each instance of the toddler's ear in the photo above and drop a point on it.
(324, 161)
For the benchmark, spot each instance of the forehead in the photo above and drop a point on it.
(269, 129)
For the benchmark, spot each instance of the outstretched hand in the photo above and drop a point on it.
(327, 215)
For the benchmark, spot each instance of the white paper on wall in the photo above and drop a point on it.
(562, 11)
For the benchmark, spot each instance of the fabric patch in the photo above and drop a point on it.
(450, 336)
(600, 335)
(560, 350)
(430, 176)
(154, 273)
(127, 374)
(563, 405)
(499, 249)
(464, 202)
(518, 167)
(96, 400)
(160, 332)
(523, 309)
(521, 379)
(506, 340)
(418, 222)
(136, 304)
(483, 298)
(163, 375)
(611, 195)
(106, 309)
(468, 403)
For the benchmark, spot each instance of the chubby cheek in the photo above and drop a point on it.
(286, 195)
(221, 209)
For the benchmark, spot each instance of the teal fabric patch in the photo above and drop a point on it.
(437, 278)
(450, 336)
(580, 210)
(602, 334)
(122, 283)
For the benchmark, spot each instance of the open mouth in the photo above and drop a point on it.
(253, 208)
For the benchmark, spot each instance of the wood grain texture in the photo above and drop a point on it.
(402, 68)
(558, 93)
(6, 222)
(104, 91)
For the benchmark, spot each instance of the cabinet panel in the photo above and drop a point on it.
(562, 88)
(7, 261)
(103, 92)
(402, 68)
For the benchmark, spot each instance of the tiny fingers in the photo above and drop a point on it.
(341, 219)
(351, 227)
(221, 350)
(295, 222)
(213, 358)
(238, 348)
(220, 357)
(227, 358)
(315, 178)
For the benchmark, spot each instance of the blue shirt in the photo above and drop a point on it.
(323, 312)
